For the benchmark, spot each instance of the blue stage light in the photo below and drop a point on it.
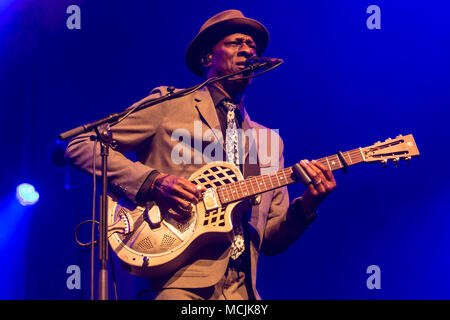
(26, 194)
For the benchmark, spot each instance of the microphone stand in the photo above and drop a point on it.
(104, 136)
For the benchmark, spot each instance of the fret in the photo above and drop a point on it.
(239, 190)
(277, 175)
(362, 155)
(349, 158)
(285, 176)
(328, 162)
(267, 177)
(258, 183)
(270, 176)
(243, 183)
(276, 179)
(280, 177)
(340, 164)
(223, 193)
(233, 192)
(261, 184)
(229, 193)
(250, 183)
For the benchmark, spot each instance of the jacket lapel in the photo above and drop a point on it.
(249, 137)
(205, 107)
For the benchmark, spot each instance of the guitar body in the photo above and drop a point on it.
(151, 243)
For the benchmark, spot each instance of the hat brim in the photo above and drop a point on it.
(209, 37)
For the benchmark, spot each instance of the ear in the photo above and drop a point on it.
(206, 60)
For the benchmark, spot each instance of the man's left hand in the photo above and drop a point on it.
(322, 184)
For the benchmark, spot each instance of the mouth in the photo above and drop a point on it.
(241, 65)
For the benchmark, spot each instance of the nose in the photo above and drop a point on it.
(246, 50)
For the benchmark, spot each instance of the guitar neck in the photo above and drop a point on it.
(259, 184)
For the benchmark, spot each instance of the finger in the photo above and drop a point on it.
(310, 187)
(178, 214)
(313, 172)
(184, 204)
(319, 181)
(179, 191)
(196, 190)
(181, 206)
(329, 183)
(326, 171)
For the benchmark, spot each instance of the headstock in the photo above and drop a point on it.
(402, 147)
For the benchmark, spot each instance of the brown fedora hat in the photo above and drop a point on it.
(218, 27)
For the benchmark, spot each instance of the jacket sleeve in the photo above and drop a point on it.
(125, 177)
(285, 221)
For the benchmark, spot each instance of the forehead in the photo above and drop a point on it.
(238, 36)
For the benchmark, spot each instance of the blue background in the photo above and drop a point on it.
(342, 86)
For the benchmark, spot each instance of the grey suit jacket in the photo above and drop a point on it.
(274, 225)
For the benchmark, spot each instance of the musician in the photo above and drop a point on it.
(269, 224)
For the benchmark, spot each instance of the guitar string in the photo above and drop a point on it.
(232, 189)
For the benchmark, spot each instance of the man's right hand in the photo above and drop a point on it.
(176, 193)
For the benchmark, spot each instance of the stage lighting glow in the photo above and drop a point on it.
(26, 194)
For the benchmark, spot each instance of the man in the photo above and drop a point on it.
(217, 271)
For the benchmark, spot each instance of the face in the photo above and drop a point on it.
(230, 54)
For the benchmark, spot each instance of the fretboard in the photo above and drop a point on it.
(255, 185)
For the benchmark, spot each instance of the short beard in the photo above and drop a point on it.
(238, 86)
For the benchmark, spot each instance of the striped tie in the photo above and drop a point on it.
(232, 152)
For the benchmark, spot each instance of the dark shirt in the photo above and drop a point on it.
(217, 98)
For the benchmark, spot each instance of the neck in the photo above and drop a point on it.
(251, 186)
(234, 95)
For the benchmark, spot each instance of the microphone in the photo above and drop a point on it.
(256, 63)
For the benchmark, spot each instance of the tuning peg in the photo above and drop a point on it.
(395, 160)
(388, 140)
(399, 136)
(384, 163)
(408, 160)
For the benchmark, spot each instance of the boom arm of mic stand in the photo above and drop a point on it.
(113, 118)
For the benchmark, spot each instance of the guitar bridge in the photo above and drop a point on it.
(210, 199)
